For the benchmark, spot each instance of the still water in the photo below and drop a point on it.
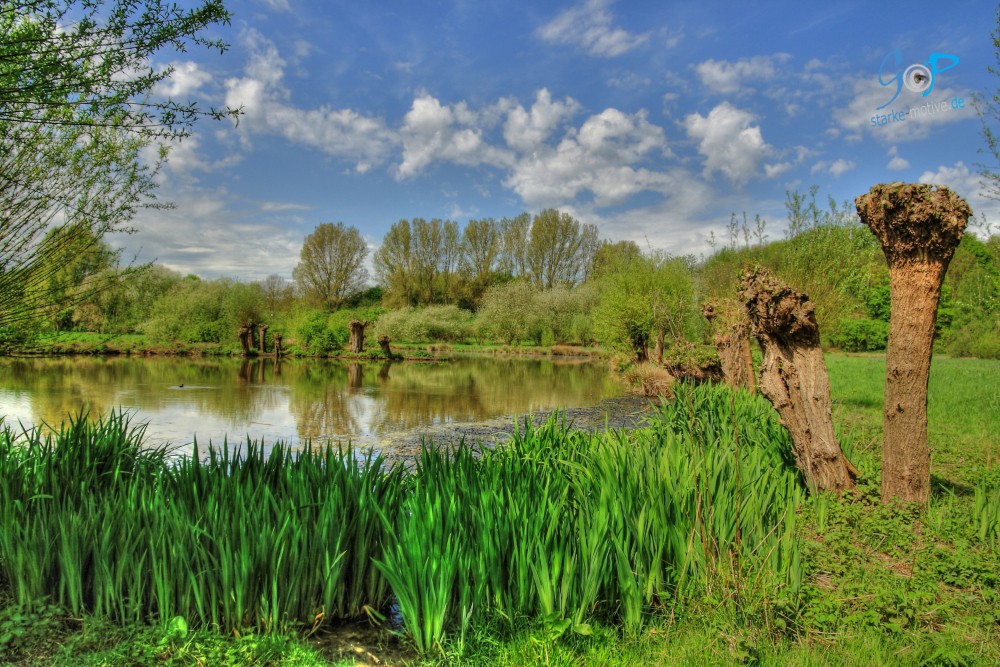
(291, 399)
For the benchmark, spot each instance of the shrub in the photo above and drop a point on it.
(433, 323)
(861, 335)
(508, 313)
(650, 380)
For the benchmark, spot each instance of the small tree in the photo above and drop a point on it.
(642, 300)
(331, 265)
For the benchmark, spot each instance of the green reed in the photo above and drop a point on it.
(90, 518)
(558, 524)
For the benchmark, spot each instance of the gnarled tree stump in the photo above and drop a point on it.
(793, 376)
(277, 343)
(263, 338)
(918, 226)
(383, 342)
(732, 340)
(244, 335)
(357, 342)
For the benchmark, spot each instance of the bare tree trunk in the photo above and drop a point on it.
(919, 227)
(383, 342)
(732, 340)
(658, 350)
(794, 378)
(357, 342)
(263, 338)
(244, 332)
(277, 344)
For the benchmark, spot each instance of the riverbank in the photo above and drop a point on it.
(93, 344)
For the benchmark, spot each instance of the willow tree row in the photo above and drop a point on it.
(437, 262)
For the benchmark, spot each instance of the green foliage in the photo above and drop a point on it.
(430, 323)
(507, 313)
(642, 299)
(861, 335)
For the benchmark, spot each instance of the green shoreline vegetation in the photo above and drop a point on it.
(691, 541)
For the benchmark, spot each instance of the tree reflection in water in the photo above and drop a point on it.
(293, 398)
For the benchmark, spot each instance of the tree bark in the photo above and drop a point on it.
(244, 332)
(732, 340)
(357, 342)
(793, 377)
(277, 344)
(919, 227)
(658, 350)
(383, 342)
(263, 338)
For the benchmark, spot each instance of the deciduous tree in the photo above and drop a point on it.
(331, 265)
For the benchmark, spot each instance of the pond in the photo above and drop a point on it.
(376, 403)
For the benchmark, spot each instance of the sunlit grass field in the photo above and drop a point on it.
(499, 562)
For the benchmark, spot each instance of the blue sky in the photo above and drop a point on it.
(654, 121)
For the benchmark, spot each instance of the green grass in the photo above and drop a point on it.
(689, 542)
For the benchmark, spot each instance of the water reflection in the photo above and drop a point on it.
(293, 399)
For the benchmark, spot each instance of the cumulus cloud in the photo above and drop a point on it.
(432, 131)
(599, 158)
(590, 26)
(836, 168)
(186, 78)
(729, 78)
(267, 109)
(526, 131)
(729, 142)
(897, 164)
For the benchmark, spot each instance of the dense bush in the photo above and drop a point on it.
(508, 313)
(431, 323)
(861, 335)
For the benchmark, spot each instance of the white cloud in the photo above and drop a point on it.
(186, 78)
(628, 81)
(897, 164)
(728, 141)
(774, 170)
(429, 133)
(526, 131)
(728, 78)
(265, 101)
(589, 26)
(836, 168)
(596, 158)
(278, 5)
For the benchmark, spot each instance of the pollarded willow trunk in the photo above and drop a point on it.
(277, 343)
(357, 342)
(919, 227)
(793, 376)
(732, 340)
(244, 334)
(383, 342)
(263, 338)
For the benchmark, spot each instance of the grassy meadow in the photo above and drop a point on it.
(688, 542)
